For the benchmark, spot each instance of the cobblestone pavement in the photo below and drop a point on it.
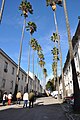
(69, 112)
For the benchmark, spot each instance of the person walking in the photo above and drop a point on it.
(18, 96)
(9, 98)
(31, 98)
(4, 97)
(25, 99)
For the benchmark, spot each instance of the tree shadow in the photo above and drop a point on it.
(40, 111)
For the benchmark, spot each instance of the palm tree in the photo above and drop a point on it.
(55, 53)
(32, 28)
(53, 3)
(1, 10)
(41, 63)
(39, 49)
(74, 74)
(54, 68)
(54, 37)
(41, 56)
(25, 7)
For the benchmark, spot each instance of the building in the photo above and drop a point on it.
(35, 84)
(67, 70)
(8, 70)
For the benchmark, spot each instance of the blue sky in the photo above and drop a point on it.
(11, 28)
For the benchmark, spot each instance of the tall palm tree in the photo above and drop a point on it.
(54, 68)
(55, 53)
(1, 10)
(39, 49)
(74, 74)
(41, 62)
(25, 7)
(53, 3)
(32, 28)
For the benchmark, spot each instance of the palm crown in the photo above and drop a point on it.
(53, 2)
(55, 51)
(41, 56)
(41, 63)
(33, 43)
(54, 37)
(32, 27)
(45, 72)
(26, 7)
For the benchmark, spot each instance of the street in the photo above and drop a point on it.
(46, 108)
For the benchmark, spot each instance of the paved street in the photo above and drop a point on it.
(45, 109)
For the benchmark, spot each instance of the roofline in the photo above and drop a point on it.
(74, 41)
(7, 57)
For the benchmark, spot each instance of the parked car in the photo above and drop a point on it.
(71, 101)
(54, 94)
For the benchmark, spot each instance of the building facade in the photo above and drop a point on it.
(67, 70)
(8, 70)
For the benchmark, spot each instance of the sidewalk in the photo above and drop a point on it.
(14, 105)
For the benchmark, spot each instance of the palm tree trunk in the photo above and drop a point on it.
(37, 67)
(19, 59)
(60, 54)
(1, 11)
(74, 74)
(27, 83)
(33, 69)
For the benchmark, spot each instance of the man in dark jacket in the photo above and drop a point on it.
(31, 98)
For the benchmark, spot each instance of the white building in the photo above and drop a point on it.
(67, 66)
(8, 70)
(35, 84)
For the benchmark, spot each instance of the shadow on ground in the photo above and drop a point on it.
(39, 112)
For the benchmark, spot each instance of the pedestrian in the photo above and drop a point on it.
(31, 98)
(9, 98)
(4, 98)
(18, 96)
(25, 99)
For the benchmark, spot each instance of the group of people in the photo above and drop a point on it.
(27, 97)
(7, 97)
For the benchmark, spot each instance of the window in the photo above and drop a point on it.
(25, 79)
(22, 76)
(5, 67)
(12, 70)
(11, 85)
(3, 83)
(21, 88)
